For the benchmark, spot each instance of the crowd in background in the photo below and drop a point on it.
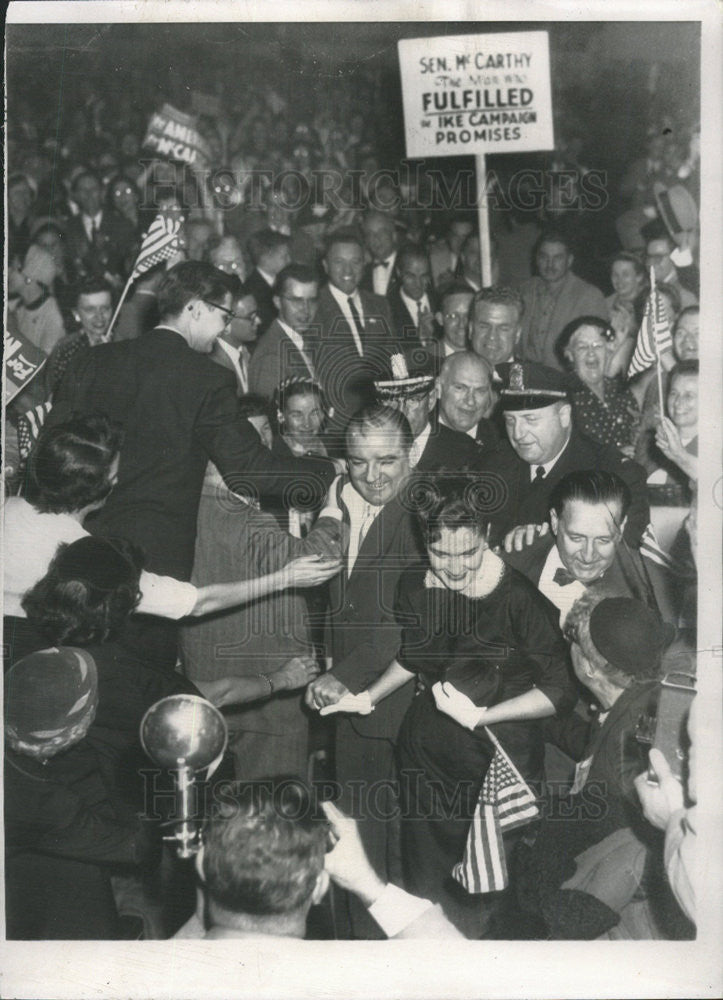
(449, 516)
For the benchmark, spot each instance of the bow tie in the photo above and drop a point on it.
(381, 263)
(562, 577)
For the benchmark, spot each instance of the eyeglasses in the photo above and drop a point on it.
(251, 318)
(230, 314)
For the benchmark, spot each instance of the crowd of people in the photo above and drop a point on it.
(421, 540)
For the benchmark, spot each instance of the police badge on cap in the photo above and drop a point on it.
(530, 386)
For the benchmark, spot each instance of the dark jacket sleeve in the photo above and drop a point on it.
(634, 475)
(246, 465)
(534, 622)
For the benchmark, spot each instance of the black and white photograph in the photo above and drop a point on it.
(361, 532)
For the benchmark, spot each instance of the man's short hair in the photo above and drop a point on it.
(303, 273)
(456, 288)
(264, 242)
(69, 465)
(92, 286)
(191, 279)
(499, 295)
(554, 236)
(377, 416)
(591, 486)
(410, 252)
(264, 848)
(342, 236)
(81, 175)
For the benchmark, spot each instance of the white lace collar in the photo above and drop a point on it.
(488, 577)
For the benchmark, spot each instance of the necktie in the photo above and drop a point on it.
(367, 521)
(382, 263)
(420, 313)
(562, 578)
(358, 328)
(539, 473)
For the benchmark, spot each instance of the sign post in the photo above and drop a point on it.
(477, 94)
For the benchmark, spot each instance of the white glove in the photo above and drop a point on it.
(457, 705)
(358, 704)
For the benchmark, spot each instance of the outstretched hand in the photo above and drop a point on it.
(523, 535)
(347, 862)
(309, 571)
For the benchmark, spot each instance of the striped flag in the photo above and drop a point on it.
(162, 240)
(30, 424)
(506, 801)
(650, 549)
(654, 336)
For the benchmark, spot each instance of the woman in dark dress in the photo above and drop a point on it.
(487, 651)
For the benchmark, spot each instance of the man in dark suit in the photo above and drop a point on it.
(99, 241)
(352, 333)
(410, 387)
(381, 238)
(177, 410)
(412, 303)
(464, 388)
(585, 549)
(543, 445)
(283, 352)
(231, 350)
(270, 254)
(495, 325)
(380, 542)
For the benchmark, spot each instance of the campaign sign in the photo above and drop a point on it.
(174, 135)
(23, 361)
(476, 94)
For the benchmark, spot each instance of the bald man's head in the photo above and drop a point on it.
(465, 391)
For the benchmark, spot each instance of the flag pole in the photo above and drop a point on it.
(658, 365)
(121, 300)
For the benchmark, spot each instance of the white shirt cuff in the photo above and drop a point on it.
(395, 909)
(166, 597)
(682, 258)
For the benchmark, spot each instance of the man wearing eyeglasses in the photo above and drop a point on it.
(231, 350)
(286, 349)
(177, 410)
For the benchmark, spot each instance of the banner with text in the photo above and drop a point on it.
(173, 134)
(469, 94)
(23, 361)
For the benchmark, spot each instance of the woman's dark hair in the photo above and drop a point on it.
(451, 502)
(70, 464)
(297, 386)
(88, 592)
(118, 179)
(569, 331)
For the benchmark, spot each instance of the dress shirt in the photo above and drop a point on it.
(418, 446)
(563, 597)
(91, 224)
(298, 341)
(382, 274)
(361, 514)
(267, 277)
(343, 303)
(547, 465)
(240, 359)
(413, 305)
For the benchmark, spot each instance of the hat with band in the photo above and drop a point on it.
(410, 376)
(527, 385)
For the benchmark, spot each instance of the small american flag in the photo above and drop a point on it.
(506, 801)
(30, 424)
(654, 336)
(162, 240)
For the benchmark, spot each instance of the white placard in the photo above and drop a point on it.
(476, 94)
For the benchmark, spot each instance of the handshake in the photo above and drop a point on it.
(328, 695)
